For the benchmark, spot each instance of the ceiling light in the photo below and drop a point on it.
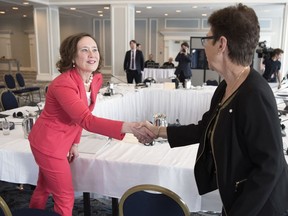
(195, 6)
(99, 12)
(138, 11)
(149, 7)
(15, 8)
(2, 12)
(101, 15)
(204, 14)
(178, 11)
(24, 15)
(26, 3)
(107, 8)
(72, 8)
(166, 14)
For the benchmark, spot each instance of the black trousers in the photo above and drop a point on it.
(133, 75)
(182, 78)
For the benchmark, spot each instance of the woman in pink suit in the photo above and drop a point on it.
(70, 99)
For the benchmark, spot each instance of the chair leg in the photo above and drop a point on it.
(87, 206)
(39, 95)
(115, 207)
(32, 97)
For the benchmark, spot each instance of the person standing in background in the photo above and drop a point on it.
(272, 67)
(184, 59)
(134, 63)
(138, 46)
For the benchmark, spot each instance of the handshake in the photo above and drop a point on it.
(145, 132)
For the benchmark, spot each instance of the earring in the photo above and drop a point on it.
(73, 64)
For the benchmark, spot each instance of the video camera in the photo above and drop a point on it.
(263, 51)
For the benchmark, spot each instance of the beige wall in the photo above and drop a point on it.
(19, 38)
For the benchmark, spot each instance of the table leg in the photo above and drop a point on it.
(86, 202)
(115, 210)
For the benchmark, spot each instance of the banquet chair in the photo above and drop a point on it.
(8, 100)
(21, 83)
(11, 85)
(212, 82)
(5, 211)
(152, 200)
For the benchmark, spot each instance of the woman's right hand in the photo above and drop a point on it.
(73, 153)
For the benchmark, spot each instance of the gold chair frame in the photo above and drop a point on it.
(5, 208)
(153, 188)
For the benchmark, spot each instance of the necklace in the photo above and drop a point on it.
(230, 92)
(87, 84)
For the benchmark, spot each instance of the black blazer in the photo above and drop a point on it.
(139, 61)
(184, 64)
(246, 161)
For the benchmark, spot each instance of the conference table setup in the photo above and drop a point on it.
(109, 167)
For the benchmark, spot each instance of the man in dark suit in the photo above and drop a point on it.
(134, 63)
(183, 70)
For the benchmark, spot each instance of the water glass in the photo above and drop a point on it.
(5, 127)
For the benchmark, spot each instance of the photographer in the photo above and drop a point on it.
(183, 70)
(272, 66)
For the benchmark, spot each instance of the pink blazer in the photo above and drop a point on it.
(66, 112)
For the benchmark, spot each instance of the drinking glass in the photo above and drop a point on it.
(5, 127)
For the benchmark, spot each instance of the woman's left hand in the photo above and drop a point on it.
(73, 153)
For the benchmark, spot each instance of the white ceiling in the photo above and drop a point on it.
(157, 10)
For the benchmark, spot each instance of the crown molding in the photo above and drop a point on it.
(6, 31)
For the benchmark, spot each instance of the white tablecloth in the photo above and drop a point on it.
(130, 104)
(110, 169)
(158, 74)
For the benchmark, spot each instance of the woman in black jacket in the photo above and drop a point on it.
(240, 151)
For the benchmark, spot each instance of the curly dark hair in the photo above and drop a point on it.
(68, 51)
(240, 25)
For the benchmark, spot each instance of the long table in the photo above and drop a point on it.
(109, 167)
(130, 104)
(159, 74)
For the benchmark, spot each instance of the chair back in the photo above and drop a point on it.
(8, 100)
(4, 209)
(152, 200)
(9, 81)
(23, 212)
(20, 80)
(212, 82)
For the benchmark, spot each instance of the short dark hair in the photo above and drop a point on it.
(138, 44)
(132, 41)
(185, 44)
(68, 51)
(277, 51)
(239, 24)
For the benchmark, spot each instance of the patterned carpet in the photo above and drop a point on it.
(16, 199)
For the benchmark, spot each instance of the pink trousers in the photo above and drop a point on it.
(54, 178)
